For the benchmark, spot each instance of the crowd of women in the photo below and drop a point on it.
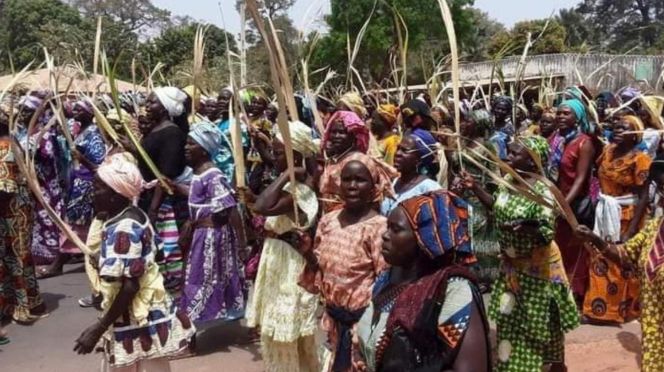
(383, 237)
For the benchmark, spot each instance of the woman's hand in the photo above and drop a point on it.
(584, 233)
(86, 342)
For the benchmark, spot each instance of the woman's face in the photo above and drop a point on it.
(356, 185)
(340, 139)
(194, 153)
(103, 196)
(279, 154)
(501, 111)
(468, 128)
(407, 156)
(621, 138)
(257, 106)
(271, 113)
(154, 110)
(81, 115)
(566, 118)
(519, 158)
(399, 242)
(548, 124)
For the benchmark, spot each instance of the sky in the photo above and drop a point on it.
(307, 14)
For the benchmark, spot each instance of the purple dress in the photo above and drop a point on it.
(214, 279)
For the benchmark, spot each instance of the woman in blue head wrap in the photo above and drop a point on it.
(214, 285)
(414, 159)
(574, 180)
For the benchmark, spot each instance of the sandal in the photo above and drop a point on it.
(4, 340)
(44, 272)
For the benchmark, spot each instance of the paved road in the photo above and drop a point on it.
(47, 345)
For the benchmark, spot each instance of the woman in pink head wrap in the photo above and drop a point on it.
(146, 329)
(346, 138)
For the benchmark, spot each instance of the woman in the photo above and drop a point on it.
(144, 326)
(347, 250)
(650, 112)
(477, 130)
(383, 121)
(623, 173)
(47, 155)
(574, 181)
(89, 151)
(549, 130)
(502, 116)
(214, 286)
(20, 299)
(531, 302)
(164, 142)
(409, 159)
(285, 313)
(427, 244)
(642, 253)
(346, 138)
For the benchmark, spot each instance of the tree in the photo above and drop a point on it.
(137, 16)
(622, 25)
(545, 40)
(580, 33)
(479, 38)
(426, 33)
(174, 46)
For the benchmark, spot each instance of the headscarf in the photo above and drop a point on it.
(503, 99)
(172, 99)
(635, 124)
(439, 220)
(208, 136)
(301, 139)
(355, 103)
(539, 145)
(629, 93)
(354, 125)
(426, 146)
(482, 118)
(581, 115)
(575, 92)
(31, 102)
(120, 172)
(382, 176)
(654, 107)
(388, 113)
(85, 106)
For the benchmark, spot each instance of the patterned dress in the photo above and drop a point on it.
(45, 234)
(638, 249)
(350, 260)
(19, 291)
(214, 285)
(613, 292)
(152, 328)
(284, 311)
(224, 159)
(531, 302)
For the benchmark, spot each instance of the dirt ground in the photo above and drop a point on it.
(48, 344)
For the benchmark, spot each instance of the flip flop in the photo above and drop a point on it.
(4, 341)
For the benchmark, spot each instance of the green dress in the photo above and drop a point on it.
(532, 303)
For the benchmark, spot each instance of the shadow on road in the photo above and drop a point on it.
(218, 336)
(52, 300)
(631, 343)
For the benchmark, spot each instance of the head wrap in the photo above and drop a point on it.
(301, 139)
(208, 136)
(354, 103)
(416, 107)
(654, 107)
(354, 125)
(629, 93)
(85, 106)
(426, 146)
(537, 144)
(439, 221)
(482, 118)
(172, 99)
(609, 97)
(31, 102)
(635, 124)
(382, 176)
(503, 99)
(120, 172)
(581, 115)
(388, 113)
(574, 93)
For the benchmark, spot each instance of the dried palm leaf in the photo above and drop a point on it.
(197, 69)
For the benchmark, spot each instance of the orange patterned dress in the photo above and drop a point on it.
(613, 295)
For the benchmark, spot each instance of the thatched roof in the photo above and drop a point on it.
(39, 80)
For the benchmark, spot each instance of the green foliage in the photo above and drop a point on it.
(546, 40)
